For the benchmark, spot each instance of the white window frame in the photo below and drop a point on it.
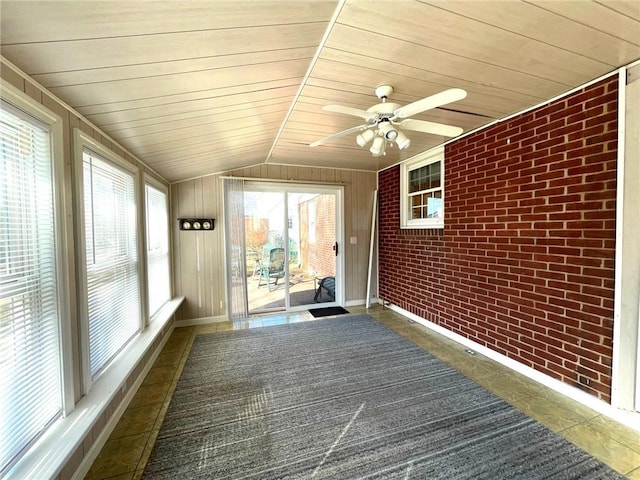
(81, 142)
(21, 101)
(148, 180)
(421, 160)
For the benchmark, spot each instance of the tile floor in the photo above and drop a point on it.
(127, 450)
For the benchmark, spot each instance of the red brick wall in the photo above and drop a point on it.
(326, 234)
(525, 263)
(319, 255)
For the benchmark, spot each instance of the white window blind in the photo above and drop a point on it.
(111, 255)
(30, 378)
(158, 281)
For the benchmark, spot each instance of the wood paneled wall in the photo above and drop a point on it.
(199, 272)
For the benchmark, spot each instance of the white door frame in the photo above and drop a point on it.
(291, 187)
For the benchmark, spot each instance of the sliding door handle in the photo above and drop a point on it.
(335, 248)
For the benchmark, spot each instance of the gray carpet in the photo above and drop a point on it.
(346, 398)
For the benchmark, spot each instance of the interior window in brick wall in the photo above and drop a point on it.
(422, 191)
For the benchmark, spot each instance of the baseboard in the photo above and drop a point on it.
(630, 419)
(355, 303)
(191, 322)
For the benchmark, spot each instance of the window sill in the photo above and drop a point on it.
(430, 226)
(49, 454)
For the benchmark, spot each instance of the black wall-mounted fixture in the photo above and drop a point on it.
(196, 224)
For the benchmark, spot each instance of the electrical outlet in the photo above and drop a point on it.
(582, 380)
(354, 240)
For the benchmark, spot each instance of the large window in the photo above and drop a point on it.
(110, 242)
(422, 191)
(30, 354)
(158, 280)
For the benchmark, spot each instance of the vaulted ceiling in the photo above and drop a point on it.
(200, 87)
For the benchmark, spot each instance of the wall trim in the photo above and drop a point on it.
(620, 209)
(312, 64)
(357, 303)
(284, 182)
(628, 418)
(625, 386)
(227, 173)
(191, 322)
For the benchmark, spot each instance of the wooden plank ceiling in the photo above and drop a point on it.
(200, 87)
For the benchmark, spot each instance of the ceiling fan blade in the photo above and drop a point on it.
(359, 128)
(434, 101)
(431, 127)
(347, 111)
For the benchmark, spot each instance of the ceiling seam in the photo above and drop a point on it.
(169, 74)
(156, 34)
(553, 45)
(465, 57)
(323, 41)
(137, 161)
(180, 102)
(189, 92)
(162, 62)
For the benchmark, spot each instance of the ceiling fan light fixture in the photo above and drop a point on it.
(402, 141)
(365, 137)
(377, 147)
(388, 131)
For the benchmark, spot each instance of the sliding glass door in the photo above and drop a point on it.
(292, 239)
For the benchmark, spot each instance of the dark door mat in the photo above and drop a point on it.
(326, 311)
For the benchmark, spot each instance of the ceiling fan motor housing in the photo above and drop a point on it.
(385, 109)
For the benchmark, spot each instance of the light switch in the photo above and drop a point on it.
(354, 240)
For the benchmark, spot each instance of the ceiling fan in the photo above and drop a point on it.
(386, 120)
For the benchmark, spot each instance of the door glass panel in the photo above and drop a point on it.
(312, 236)
(265, 253)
